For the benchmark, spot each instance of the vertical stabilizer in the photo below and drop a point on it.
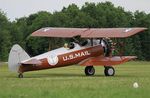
(16, 55)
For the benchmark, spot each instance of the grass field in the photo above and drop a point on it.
(70, 82)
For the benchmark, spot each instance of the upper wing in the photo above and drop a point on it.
(87, 32)
(58, 32)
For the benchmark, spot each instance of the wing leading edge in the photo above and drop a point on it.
(87, 32)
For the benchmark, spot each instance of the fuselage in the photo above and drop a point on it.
(64, 57)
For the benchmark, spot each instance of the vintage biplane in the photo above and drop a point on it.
(94, 50)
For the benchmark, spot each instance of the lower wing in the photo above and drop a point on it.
(106, 61)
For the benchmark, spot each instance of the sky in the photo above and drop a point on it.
(20, 8)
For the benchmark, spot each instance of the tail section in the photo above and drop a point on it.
(16, 55)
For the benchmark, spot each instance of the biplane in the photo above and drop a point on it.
(94, 50)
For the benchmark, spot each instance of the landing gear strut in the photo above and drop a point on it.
(109, 71)
(20, 75)
(89, 70)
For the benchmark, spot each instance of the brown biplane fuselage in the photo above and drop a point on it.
(53, 59)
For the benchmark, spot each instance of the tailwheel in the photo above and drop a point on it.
(89, 70)
(109, 71)
(20, 75)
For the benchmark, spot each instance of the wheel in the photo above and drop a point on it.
(89, 70)
(109, 71)
(20, 75)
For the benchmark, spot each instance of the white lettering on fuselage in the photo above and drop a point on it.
(76, 55)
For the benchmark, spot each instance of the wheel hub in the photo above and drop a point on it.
(110, 71)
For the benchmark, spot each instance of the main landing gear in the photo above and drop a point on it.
(89, 70)
(108, 71)
(20, 75)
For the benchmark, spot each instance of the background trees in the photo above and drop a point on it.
(5, 38)
(90, 15)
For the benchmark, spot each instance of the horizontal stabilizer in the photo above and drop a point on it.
(32, 62)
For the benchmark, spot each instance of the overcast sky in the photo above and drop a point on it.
(19, 8)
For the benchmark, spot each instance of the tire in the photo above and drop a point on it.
(109, 71)
(20, 75)
(89, 70)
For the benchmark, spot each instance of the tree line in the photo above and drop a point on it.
(90, 15)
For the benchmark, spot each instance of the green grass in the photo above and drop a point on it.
(70, 82)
